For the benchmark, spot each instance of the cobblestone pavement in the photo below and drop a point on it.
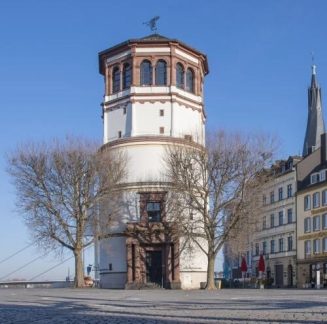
(162, 306)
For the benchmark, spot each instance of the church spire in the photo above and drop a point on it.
(315, 123)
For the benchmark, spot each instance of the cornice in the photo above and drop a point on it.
(152, 139)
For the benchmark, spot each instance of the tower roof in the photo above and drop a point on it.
(151, 40)
(315, 123)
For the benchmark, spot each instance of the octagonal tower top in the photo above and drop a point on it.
(182, 61)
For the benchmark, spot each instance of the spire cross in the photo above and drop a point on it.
(313, 63)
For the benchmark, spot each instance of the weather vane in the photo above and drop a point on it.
(313, 57)
(152, 23)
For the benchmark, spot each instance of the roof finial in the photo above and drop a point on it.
(313, 63)
(152, 23)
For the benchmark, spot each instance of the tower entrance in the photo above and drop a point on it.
(153, 263)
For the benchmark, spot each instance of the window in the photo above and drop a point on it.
(280, 193)
(179, 76)
(124, 110)
(307, 247)
(272, 197)
(189, 80)
(162, 130)
(281, 244)
(324, 197)
(115, 79)
(322, 175)
(314, 178)
(324, 244)
(289, 215)
(316, 223)
(316, 246)
(119, 134)
(257, 249)
(264, 247)
(316, 200)
(307, 225)
(264, 222)
(127, 76)
(146, 73)
(154, 211)
(110, 266)
(324, 221)
(272, 246)
(272, 220)
(290, 243)
(307, 202)
(280, 218)
(162, 112)
(264, 200)
(289, 191)
(161, 73)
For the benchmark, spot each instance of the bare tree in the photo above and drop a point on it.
(216, 188)
(60, 187)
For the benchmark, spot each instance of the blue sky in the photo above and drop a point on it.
(259, 60)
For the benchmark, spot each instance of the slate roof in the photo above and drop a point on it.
(315, 122)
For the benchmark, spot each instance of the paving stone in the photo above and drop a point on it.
(162, 306)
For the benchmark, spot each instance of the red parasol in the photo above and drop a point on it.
(244, 267)
(261, 266)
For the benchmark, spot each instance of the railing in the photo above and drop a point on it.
(37, 284)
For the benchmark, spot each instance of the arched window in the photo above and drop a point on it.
(146, 73)
(179, 76)
(189, 80)
(127, 76)
(161, 73)
(115, 79)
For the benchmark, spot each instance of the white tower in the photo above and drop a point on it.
(153, 99)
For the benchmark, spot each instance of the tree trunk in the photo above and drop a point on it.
(79, 269)
(211, 272)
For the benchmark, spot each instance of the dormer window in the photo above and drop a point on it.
(322, 175)
(315, 177)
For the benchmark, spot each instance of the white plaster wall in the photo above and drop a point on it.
(145, 162)
(187, 122)
(113, 250)
(147, 120)
(115, 121)
(126, 210)
(143, 119)
(113, 280)
(192, 280)
(193, 266)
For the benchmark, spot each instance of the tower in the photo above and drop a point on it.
(153, 99)
(315, 123)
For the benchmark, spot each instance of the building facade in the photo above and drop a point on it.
(312, 219)
(312, 196)
(153, 99)
(275, 237)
